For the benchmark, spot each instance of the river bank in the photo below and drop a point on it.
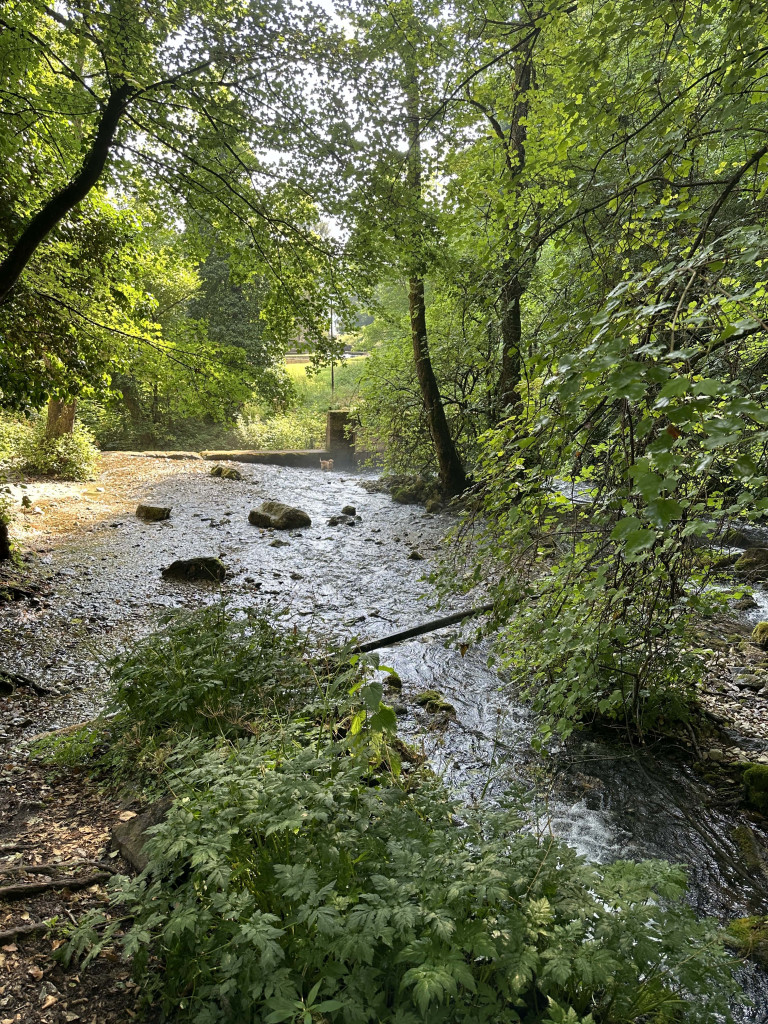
(94, 583)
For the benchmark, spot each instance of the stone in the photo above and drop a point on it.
(756, 788)
(227, 473)
(274, 515)
(349, 510)
(153, 513)
(393, 681)
(434, 505)
(715, 754)
(745, 604)
(129, 837)
(416, 556)
(434, 702)
(760, 635)
(753, 564)
(201, 568)
(342, 520)
(279, 544)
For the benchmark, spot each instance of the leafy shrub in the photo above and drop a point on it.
(211, 673)
(301, 876)
(69, 456)
(300, 428)
(14, 433)
(71, 749)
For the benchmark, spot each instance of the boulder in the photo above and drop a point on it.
(274, 515)
(342, 520)
(745, 604)
(227, 472)
(434, 505)
(201, 568)
(760, 635)
(434, 702)
(416, 556)
(153, 513)
(129, 837)
(349, 510)
(753, 564)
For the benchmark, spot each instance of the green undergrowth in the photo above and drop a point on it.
(303, 874)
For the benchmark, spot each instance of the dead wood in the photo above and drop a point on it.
(25, 929)
(24, 889)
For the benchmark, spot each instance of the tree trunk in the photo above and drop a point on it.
(453, 479)
(60, 204)
(5, 542)
(511, 339)
(61, 417)
(513, 287)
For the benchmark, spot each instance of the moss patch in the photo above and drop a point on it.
(749, 935)
(760, 634)
(756, 787)
(434, 702)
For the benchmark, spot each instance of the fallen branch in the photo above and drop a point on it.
(49, 869)
(10, 680)
(26, 929)
(22, 890)
(427, 627)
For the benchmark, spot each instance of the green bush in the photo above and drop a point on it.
(69, 456)
(14, 434)
(300, 876)
(300, 428)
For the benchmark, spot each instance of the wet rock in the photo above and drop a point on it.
(201, 568)
(153, 513)
(756, 788)
(296, 576)
(342, 520)
(393, 681)
(274, 515)
(434, 702)
(745, 604)
(434, 505)
(760, 635)
(227, 473)
(279, 544)
(349, 510)
(753, 564)
(129, 837)
(416, 556)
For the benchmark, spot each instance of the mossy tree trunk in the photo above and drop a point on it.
(61, 417)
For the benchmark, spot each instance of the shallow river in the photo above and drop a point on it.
(604, 800)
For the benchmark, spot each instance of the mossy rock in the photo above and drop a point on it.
(434, 505)
(393, 681)
(749, 936)
(153, 513)
(748, 847)
(203, 568)
(760, 634)
(227, 472)
(274, 515)
(434, 702)
(753, 564)
(756, 788)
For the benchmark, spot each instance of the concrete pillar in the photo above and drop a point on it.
(340, 437)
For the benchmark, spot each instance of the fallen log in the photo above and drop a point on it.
(26, 929)
(24, 889)
(427, 627)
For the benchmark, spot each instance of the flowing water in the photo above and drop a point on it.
(604, 799)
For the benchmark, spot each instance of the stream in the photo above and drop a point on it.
(105, 590)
